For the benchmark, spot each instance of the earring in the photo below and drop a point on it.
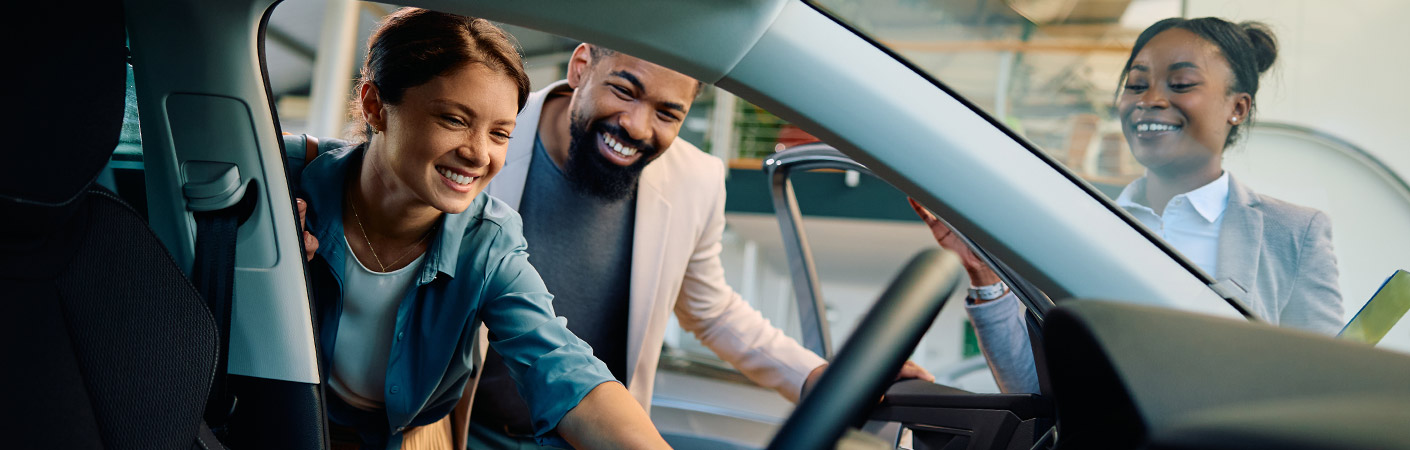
(1234, 120)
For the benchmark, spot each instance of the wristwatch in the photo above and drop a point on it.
(988, 292)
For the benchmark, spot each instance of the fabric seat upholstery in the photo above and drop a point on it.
(107, 345)
(114, 346)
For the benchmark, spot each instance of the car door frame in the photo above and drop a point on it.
(203, 93)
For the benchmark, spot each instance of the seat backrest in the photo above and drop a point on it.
(111, 344)
(108, 345)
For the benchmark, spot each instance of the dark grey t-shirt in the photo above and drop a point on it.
(582, 247)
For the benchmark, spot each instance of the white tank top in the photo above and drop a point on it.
(365, 328)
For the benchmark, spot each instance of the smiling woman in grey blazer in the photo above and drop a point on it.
(1186, 93)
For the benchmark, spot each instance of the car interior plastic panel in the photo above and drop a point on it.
(192, 116)
(1127, 376)
(1040, 360)
(941, 416)
(202, 91)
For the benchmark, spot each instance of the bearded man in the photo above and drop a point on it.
(624, 223)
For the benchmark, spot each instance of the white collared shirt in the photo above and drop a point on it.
(1191, 220)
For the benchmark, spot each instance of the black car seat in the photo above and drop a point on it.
(106, 343)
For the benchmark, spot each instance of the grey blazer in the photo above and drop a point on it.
(1279, 255)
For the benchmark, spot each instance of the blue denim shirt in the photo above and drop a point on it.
(476, 269)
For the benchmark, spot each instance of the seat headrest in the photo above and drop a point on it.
(68, 101)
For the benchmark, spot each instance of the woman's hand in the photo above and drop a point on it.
(608, 417)
(980, 274)
(310, 242)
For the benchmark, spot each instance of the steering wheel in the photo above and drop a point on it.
(860, 373)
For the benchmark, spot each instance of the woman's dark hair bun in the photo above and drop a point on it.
(1265, 46)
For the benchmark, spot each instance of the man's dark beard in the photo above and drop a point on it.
(591, 172)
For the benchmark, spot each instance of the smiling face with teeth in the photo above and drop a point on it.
(444, 141)
(1177, 107)
(624, 112)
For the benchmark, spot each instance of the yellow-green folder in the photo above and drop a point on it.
(1381, 313)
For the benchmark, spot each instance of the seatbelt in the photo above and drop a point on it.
(218, 201)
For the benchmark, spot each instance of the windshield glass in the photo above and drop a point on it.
(1228, 129)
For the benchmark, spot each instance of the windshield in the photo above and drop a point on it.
(1228, 129)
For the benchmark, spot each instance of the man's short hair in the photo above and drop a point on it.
(598, 52)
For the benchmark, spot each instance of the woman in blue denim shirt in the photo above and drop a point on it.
(408, 255)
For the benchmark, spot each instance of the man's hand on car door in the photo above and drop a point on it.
(908, 370)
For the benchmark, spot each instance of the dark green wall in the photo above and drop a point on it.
(819, 194)
(826, 194)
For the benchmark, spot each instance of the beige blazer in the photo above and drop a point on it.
(675, 268)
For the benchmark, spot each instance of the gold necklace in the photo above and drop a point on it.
(360, 228)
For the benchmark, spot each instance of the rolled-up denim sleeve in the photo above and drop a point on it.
(1003, 336)
(552, 367)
